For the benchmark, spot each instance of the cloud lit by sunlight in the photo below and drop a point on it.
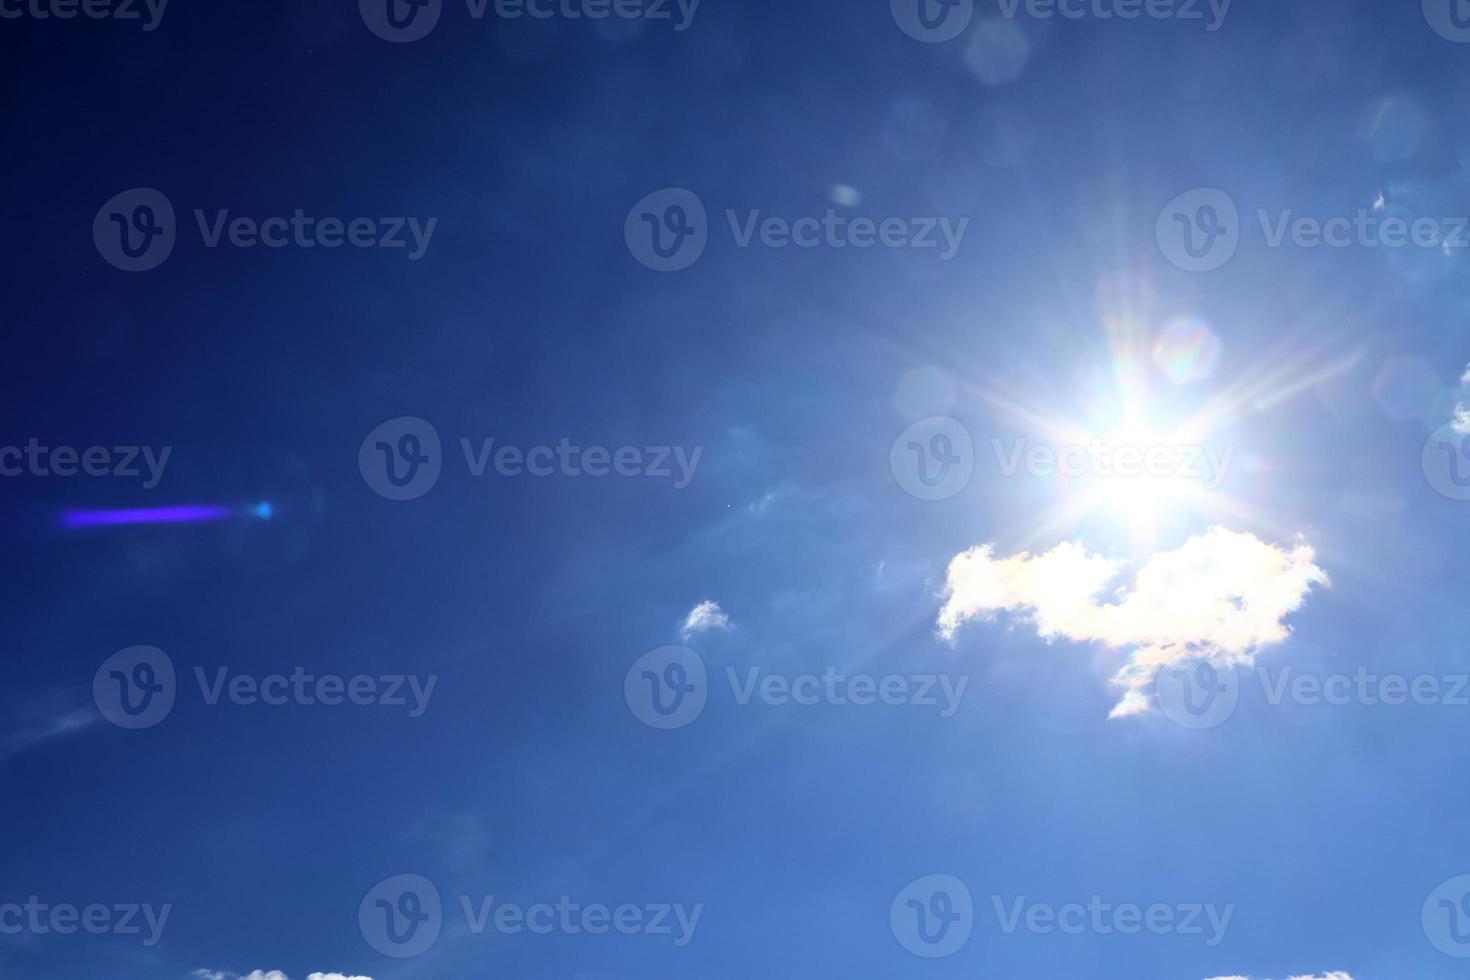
(268, 975)
(703, 617)
(1462, 410)
(1222, 597)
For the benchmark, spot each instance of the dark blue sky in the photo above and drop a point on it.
(1056, 149)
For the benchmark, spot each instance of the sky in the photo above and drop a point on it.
(944, 489)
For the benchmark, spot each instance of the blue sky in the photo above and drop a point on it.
(972, 494)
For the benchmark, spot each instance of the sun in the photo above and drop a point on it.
(1143, 475)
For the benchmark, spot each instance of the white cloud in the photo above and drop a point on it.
(1332, 975)
(1462, 410)
(1222, 596)
(267, 975)
(705, 616)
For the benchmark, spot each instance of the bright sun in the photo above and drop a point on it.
(1142, 477)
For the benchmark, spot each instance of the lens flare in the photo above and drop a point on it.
(1187, 351)
(179, 514)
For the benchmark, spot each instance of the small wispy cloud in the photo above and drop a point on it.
(1220, 597)
(44, 729)
(1332, 975)
(704, 617)
(1462, 410)
(267, 975)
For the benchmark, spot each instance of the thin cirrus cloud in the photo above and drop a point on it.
(704, 617)
(1332, 975)
(267, 975)
(1462, 410)
(1222, 597)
